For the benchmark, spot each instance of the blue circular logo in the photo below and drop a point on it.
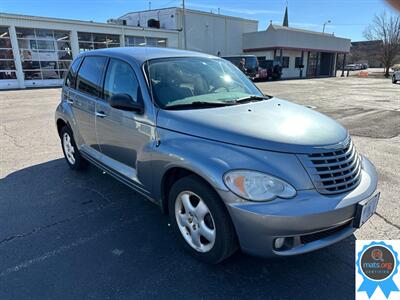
(377, 263)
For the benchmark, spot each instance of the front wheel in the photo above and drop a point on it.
(394, 79)
(201, 221)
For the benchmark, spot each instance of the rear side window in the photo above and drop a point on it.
(120, 79)
(90, 75)
(70, 80)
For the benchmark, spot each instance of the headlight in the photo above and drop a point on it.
(257, 186)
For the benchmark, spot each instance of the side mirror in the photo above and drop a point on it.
(125, 102)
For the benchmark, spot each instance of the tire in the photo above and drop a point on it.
(394, 81)
(216, 220)
(71, 153)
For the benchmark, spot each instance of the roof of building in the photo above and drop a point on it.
(292, 29)
(193, 11)
(74, 21)
(142, 54)
(367, 43)
(293, 38)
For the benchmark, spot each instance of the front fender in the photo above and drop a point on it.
(211, 160)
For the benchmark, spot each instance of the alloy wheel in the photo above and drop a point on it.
(195, 221)
(68, 148)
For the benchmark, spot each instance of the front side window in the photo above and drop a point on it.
(120, 79)
(90, 74)
(190, 80)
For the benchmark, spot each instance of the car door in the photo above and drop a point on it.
(122, 135)
(88, 91)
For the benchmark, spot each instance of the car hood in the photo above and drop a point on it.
(273, 124)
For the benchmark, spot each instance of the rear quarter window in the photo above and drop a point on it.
(70, 79)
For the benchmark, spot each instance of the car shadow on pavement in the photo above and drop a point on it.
(72, 235)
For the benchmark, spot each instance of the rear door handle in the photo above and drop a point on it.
(70, 101)
(100, 114)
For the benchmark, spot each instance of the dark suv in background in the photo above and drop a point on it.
(269, 69)
(251, 64)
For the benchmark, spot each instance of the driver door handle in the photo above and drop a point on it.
(100, 114)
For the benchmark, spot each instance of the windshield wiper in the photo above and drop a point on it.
(251, 98)
(199, 104)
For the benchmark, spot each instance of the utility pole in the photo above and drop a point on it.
(323, 28)
(184, 25)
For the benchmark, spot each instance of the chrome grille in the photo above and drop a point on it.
(334, 172)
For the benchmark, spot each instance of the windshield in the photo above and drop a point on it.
(188, 80)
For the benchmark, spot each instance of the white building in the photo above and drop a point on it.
(316, 52)
(37, 51)
(205, 32)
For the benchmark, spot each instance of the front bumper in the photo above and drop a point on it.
(309, 221)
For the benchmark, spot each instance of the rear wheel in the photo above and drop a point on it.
(200, 220)
(74, 160)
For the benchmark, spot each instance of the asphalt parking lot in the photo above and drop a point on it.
(67, 235)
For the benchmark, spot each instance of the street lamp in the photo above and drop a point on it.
(323, 28)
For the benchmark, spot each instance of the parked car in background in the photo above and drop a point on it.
(365, 66)
(353, 67)
(396, 76)
(350, 67)
(251, 64)
(232, 167)
(269, 69)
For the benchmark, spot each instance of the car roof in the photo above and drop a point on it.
(142, 54)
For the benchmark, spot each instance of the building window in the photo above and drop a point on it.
(298, 63)
(132, 41)
(7, 63)
(45, 53)
(285, 62)
(91, 41)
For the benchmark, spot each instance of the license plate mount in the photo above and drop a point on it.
(365, 210)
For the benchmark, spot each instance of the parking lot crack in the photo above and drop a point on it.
(387, 221)
(11, 137)
(47, 226)
(64, 248)
(96, 192)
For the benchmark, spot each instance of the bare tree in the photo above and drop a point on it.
(386, 29)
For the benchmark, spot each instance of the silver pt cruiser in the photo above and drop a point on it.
(232, 167)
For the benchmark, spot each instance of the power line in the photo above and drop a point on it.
(168, 3)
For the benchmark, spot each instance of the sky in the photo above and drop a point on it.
(349, 18)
